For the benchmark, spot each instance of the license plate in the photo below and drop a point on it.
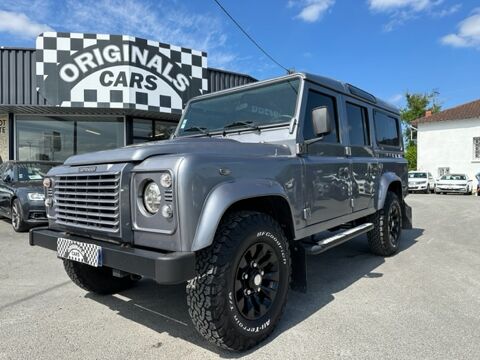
(89, 254)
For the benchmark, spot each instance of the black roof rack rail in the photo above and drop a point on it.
(361, 93)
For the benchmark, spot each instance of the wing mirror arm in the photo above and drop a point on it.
(321, 124)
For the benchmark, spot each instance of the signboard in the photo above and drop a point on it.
(4, 137)
(117, 71)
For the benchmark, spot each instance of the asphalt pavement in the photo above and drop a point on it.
(423, 303)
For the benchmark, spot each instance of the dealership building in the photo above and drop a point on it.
(77, 93)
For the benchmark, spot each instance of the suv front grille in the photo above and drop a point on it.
(89, 201)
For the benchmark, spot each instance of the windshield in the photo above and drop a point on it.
(32, 171)
(270, 104)
(417, 175)
(454, 177)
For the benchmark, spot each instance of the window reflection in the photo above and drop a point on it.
(55, 138)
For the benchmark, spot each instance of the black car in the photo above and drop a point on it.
(21, 193)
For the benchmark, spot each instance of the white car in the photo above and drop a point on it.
(454, 183)
(420, 181)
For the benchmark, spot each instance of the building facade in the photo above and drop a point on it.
(449, 141)
(77, 93)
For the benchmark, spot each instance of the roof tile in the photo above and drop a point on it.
(466, 111)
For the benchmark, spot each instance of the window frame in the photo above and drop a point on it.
(366, 122)
(311, 87)
(398, 147)
(476, 148)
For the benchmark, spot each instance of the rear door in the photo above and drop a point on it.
(364, 163)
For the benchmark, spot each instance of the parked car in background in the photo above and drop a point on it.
(22, 194)
(478, 184)
(420, 181)
(454, 183)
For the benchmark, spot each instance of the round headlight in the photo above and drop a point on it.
(166, 180)
(152, 197)
(47, 182)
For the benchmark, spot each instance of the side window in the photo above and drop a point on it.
(8, 171)
(315, 99)
(387, 130)
(357, 118)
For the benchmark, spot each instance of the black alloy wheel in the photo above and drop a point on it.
(256, 281)
(394, 225)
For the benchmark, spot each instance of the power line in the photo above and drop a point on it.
(250, 38)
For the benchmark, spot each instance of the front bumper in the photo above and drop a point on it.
(450, 189)
(417, 187)
(164, 268)
(34, 213)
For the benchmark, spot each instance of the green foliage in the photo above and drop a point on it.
(418, 104)
(411, 155)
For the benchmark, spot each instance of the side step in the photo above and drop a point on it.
(326, 244)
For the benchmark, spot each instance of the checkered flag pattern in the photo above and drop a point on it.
(56, 48)
(90, 254)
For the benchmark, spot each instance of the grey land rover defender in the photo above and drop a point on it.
(254, 179)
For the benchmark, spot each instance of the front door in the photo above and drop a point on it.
(5, 191)
(327, 169)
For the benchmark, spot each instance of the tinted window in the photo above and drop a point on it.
(316, 100)
(357, 125)
(386, 128)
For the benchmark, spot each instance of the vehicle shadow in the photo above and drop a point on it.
(164, 308)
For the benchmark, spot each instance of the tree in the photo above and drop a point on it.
(417, 105)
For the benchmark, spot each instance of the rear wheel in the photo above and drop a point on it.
(384, 238)
(99, 280)
(240, 291)
(18, 222)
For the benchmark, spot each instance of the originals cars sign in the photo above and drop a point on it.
(117, 71)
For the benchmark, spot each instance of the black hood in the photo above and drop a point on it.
(137, 153)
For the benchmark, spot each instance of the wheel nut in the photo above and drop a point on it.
(245, 276)
(262, 272)
(258, 289)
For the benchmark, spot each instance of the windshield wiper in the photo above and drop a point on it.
(248, 124)
(197, 129)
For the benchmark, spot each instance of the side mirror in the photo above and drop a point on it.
(7, 178)
(321, 121)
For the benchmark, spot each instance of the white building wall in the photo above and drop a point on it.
(448, 144)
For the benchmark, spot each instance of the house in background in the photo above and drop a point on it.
(449, 141)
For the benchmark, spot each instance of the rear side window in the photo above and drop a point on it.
(387, 130)
(315, 100)
(357, 125)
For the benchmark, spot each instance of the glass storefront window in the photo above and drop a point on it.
(3, 137)
(150, 130)
(56, 138)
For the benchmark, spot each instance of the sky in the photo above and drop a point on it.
(387, 47)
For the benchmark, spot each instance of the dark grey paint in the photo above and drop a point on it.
(213, 173)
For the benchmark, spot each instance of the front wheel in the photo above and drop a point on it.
(18, 222)
(241, 287)
(385, 236)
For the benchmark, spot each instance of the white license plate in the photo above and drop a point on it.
(89, 254)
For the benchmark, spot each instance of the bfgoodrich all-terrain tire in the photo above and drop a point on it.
(241, 287)
(99, 280)
(385, 236)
